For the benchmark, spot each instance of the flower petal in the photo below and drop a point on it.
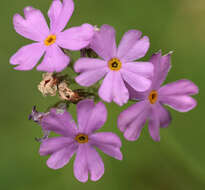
(61, 17)
(136, 95)
(163, 114)
(60, 158)
(132, 120)
(136, 81)
(132, 133)
(75, 38)
(97, 118)
(111, 151)
(54, 13)
(176, 95)
(88, 160)
(120, 92)
(60, 123)
(136, 50)
(34, 25)
(108, 142)
(162, 65)
(54, 144)
(129, 115)
(84, 111)
(106, 138)
(144, 69)
(181, 103)
(105, 90)
(28, 56)
(180, 87)
(128, 41)
(89, 78)
(154, 126)
(95, 164)
(54, 61)
(86, 64)
(90, 116)
(165, 65)
(92, 70)
(103, 42)
(80, 163)
(113, 88)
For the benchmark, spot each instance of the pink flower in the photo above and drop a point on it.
(151, 103)
(117, 65)
(49, 41)
(81, 140)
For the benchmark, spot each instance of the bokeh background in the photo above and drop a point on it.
(177, 162)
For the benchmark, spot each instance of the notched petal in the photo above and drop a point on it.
(33, 26)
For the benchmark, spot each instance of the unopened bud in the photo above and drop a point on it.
(36, 116)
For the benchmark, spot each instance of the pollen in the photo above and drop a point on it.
(51, 39)
(81, 138)
(153, 96)
(114, 64)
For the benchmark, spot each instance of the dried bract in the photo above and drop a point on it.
(48, 86)
(66, 93)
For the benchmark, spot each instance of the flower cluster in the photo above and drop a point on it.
(106, 72)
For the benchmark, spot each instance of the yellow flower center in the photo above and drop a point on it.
(153, 96)
(114, 64)
(81, 138)
(51, 39)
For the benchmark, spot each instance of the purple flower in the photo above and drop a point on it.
(150, 106)
(80, 140)
(49, 41)
(117, 66)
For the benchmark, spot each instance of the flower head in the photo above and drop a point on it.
(117, 64)
(81, 140)
(150, 106)
(49, 41)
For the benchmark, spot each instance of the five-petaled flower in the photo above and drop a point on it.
(49, 41)
(80, 140)
(117, 66)
(150, 106)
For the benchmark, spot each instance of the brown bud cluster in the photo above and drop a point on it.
(51, 84)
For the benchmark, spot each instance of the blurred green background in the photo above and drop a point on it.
(177, 162)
